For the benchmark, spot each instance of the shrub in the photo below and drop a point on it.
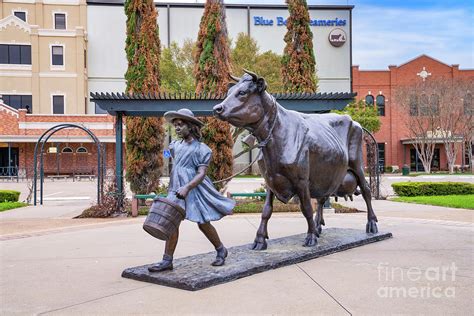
(432, 188)
(262, 189)
(9, 196)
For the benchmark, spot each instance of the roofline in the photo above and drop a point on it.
(423, 55)
(234, 6)
(378, 70)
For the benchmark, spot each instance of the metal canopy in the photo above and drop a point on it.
(156, 104)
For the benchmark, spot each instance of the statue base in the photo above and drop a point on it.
(195, 272)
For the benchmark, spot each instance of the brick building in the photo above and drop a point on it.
(378, 87)
(69, 151)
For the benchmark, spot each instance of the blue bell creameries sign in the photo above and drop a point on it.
(280, 21)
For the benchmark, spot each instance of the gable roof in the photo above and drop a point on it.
(421, 56)
(15, 21)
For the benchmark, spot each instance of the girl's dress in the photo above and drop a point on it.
(203, 203)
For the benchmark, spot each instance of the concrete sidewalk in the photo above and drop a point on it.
(76, 269)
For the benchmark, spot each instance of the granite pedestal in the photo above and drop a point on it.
(195, 272)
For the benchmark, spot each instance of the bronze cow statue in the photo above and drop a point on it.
(307, 155)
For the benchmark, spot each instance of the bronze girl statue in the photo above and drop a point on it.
(191, 189)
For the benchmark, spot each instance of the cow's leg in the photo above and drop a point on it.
(319, 220)
(307, 210)
(260, 242)
(371, 226)
(356, 163)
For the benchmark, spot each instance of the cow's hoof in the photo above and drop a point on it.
(371, 227)
(311, 240)
(259, 243)
(319, 229)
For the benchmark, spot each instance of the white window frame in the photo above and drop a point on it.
(57, 67)
(20, 10)
(54, 19)
(16, 66)
(52, 107)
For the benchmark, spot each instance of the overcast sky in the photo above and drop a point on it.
(392, 32)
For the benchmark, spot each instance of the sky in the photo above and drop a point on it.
(393, 32)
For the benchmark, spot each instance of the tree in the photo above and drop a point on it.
(246, 55)
(451, 99)
(176, 67)
(364, 114)
(298, 63)
(211, 69)
(144, 136)
(421, 118)
(468, 127)
(438, 113)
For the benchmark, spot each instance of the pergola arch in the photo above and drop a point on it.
(44, 139)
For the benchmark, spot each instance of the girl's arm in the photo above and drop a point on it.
(184, 190)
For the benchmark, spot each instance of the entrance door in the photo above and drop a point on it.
(13, 170)
(418, 166)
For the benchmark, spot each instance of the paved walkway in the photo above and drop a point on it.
(52, 264)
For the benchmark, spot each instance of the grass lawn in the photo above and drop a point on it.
(10, 205)
(457, 201)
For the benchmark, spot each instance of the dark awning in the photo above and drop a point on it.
(156, 104)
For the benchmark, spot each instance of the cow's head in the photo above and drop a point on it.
(244, 104)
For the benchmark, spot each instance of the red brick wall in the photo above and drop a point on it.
(385, 82)
(68, 162)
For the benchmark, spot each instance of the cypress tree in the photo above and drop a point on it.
(211, 69)
(144, 136)
(298, 63)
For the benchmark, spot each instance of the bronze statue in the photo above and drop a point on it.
(307, 155)
(191, 189)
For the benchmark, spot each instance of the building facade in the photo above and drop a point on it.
(43, 82)
(43, 55)
(378, 87)
(331, 27)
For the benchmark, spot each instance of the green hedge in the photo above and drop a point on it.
(9, 196)
(432, 188)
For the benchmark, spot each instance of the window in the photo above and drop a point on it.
(60, 21)
(67, 150)
(57, 55)
(20, 14)
(413, 105)
(15, 54)
(18, 101)
(81, 150)
(369, 100)
(467, 104)
(380, 101)
(424, 105)
(434, 104)
(58, 104)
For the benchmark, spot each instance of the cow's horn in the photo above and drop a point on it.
(234, 77)
(254, 75)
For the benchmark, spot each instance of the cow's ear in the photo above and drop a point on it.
(261, 85)
(230, 85)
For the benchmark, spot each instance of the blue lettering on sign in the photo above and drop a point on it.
(259, 20)
(281, 21)
(166, 153)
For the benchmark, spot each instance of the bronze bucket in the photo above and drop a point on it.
(164, 218)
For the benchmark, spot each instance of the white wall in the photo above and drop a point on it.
(106, 42)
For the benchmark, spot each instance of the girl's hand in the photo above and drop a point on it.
(182, 192)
